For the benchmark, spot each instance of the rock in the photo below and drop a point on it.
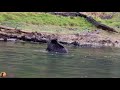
(54, 46)
(116, 42)
(5, 39)
(75, 43)
(86, 45)
(43, 40)
(64, 42)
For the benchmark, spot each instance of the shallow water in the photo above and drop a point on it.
(24, 60)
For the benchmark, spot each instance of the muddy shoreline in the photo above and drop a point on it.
(83, 39)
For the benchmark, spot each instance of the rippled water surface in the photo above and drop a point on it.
(24, 60)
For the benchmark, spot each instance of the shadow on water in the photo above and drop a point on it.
(32, 60)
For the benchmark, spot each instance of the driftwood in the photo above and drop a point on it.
(12, 29)
(99, 25)
(88, 18)
(12, 34)
(20, 35)
(24, 38)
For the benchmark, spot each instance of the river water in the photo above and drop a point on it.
(25, 60)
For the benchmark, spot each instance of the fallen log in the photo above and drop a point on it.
(12, 29)
(88, 18)
(101, 26)
(6, 37)
(7, 28)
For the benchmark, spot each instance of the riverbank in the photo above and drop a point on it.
(17, 19)
(75, 30)
(94, 38)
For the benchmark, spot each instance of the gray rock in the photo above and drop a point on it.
(75, 43)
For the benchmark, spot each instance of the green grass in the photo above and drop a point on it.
(42, 19)
(44, 22)
(113, 22)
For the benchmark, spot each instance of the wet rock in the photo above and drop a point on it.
(105, 41)
(26, 38)
(64, 42)
(43, 40)
(5, 39)
(11, 36)
(86, 45)
(54, 46)
(75, 43)
(116, 42)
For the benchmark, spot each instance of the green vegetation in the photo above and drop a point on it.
(45, 22)
(42, 18)
(113, 22)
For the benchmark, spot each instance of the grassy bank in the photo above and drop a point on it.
(112, 22)
(48, 23)
(45, 22)
(42, 19)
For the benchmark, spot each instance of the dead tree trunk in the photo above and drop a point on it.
(88, 18)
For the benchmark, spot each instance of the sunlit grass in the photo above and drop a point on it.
(44, 22)
(113, 22)
(43, 19)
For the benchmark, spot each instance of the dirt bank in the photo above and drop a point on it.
(94, 38)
